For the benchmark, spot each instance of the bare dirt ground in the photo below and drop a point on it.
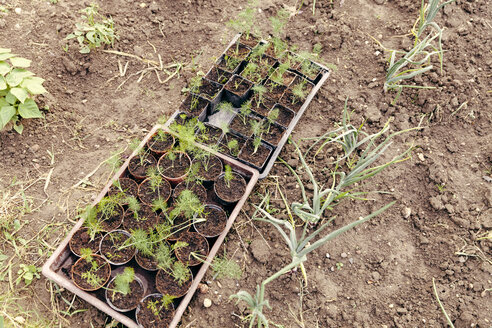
(377, 275)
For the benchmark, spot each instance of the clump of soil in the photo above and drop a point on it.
(218, 75)
(274, 135)
(238, 85)
(148, 263)
(285, 115)
(147, 194)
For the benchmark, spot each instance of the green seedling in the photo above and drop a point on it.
(299, 92)
(90, 276)
(233, 146)
(258, 93)
(123, 280)
(226, 268)
(158, 305)
(94, 31)
(187, 205)
(18, 86)
(226, 107)
(228, 175)
(257, 130)
(170, 265)
(418, 59)
(246, 20)
(27, 273)
(272, 117)
(245, 112)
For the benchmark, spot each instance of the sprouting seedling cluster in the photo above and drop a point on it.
(94, 30)
(91, 276)
(123, 280)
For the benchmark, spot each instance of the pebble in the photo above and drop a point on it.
(35, 148)
(344, 255)
(421, 157)
(406, 211)
(327, 255)
(351, 260)
(207, 302)
(203, 288)
(18, 10)
(376, 276)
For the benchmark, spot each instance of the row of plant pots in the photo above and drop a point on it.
(254, 87)
(161, 217)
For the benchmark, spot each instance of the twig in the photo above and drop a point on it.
(450, 323)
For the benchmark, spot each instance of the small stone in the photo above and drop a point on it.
(376, 276)
(401, 310)
(327, 255)
(203, 288)
(343, 255)
(462, 259)
(35, 148)
(143, 5)
(406, 211)
(421, 157)
(293, 162)
(379, 2)
(207, 302)
(351, 260)
(18, 10)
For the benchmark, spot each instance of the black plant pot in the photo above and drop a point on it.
(237, 90)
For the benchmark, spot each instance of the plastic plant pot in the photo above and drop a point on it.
(216, 220)
(274, 90)
(146, 262)
(310, 70)
(124, 185)
(249, 40)
(113, 250)
(229, 64)
(285, 115)
(196, 251)
(231, 149)
(255, 157)
(150, 314)
(274, 134)
(174, 170)
(167, 285)
(238, 50)
(82, 265)
(209, 168)
(160, 143)
(81, 239)
(237, 90)
(218, 75)
(211, 91)
(196, 188)
(148, 193)
(210, 135)
(109, 223)
(136, 287)
(229, 192)
(139, 164)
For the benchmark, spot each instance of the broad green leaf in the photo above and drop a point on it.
(20, 62)
(19, 128)
(11, 99)
(34, 85)
(90, 36)
(20, 94)
(3, 102)
(80, 39)
(4, 67)
(3, 84)
(4, 50)
(6, 113)
(85, 50)
(6, 56)
(14, 78)
(3, 93)
(29, 109)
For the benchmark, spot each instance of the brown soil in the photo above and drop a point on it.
(147, 318)
(218, 75)
(81, 239)
(197, 244)
(174, 169)
(249, 40)
(227, 138)
(257, 158)
(181, 225)
(239, 51)
(111, 248)
(387, 274)
(147, 219)
(288, 77)
(196, 188)
(216, 220)
(166, 285)
(232, 191)
(147, 194)
(274, 91)
(114, 221)
(148, 263)
(160, 145)
(209, 136)
(238, 85)
(308, 86)
(274, 135)
(139, 165)
(285, 115)
(237, 125)
(189, 106)
(129, 301)
(263, 107)
(209, 90)
(229, 64)
(128, 186)
(82, 266)
(290, 101)
(211, 170)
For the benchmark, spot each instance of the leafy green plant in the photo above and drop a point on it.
(187, 204)
(299, 92)
(228, 175)
(226, 107)
(170, 265)
(258, 93)
(27, 273)
(246, 20)
(123, 280)
(94, 31)
(90, 276)
(272, 117)
(233, 146)
(257, 128)
(91, 222)
(158, 305)
(418, 59)
(18, 86)
(226, 268)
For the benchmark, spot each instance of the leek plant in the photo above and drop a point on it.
(417, 60)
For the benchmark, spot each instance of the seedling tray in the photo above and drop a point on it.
(58, 266)
(218, 119)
